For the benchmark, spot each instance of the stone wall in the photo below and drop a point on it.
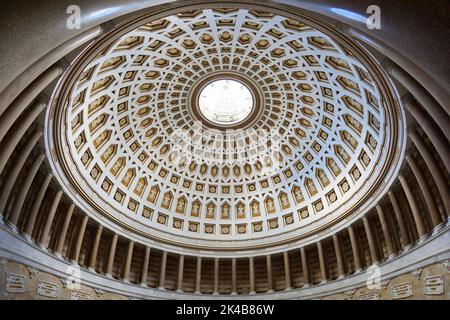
(429, 283)
(18, 282)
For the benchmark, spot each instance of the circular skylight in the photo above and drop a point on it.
(225, 101)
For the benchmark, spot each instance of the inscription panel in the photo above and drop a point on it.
(402, 291)
(434, 285)
(16, 283)
(369, 296)
(80, 295)
(47, 289)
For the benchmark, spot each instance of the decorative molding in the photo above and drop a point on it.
(350, 293)
(33, 272)
(99, 292)
(416, 273)
(65, 282)
(384, 283)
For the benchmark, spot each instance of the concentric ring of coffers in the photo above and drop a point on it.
(126, 146)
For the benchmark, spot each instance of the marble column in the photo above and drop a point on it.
(180, 273)
(10, 141)
(252, 275)
(430, 128)
(144, 271)
(305, 268)
(323, 268)
(94, 251)
(435, 170)
(80, 236)
(13, 217)
(433, 108)
(395, 236)
(287, 271)
(64, 228)
(111, 255)
(12, 174)
(372, 247)
(355, 249)
(339, 260)
(429, 200)
(407, 215)
(128, 260)
(45, 235)
(269, 273)
(26, 97)
(386, 233)
(162, 273)
(404, 236)
(36, 205)
(413, 205)
(198, 275)
(233, 276)
(216, 276)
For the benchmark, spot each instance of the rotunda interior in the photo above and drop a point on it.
(223, 150)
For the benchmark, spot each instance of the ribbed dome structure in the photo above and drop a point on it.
(224, 150)
(131, 140)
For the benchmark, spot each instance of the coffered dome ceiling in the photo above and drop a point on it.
(130, 141)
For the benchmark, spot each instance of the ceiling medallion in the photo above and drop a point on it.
(142, 129)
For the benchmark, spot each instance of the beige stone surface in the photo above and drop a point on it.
(416, 278)
(33, 276)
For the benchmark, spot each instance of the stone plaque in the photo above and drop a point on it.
(402, 291)
(16, 283)
(79, 295)
(369, 296)
(434, 285)
(47, 289)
